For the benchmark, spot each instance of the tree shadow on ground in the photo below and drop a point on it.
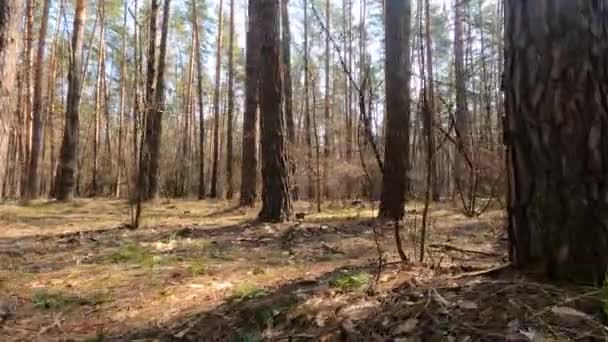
(506, 306)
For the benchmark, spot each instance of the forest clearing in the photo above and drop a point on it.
(206, 271)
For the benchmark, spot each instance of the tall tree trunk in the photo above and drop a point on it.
(99, 97)
(10, 15)
(51, 101)
(229, 139)
(249, 164)
(327, 116)
(397, 75)
(307, 119)
(69, 145)
(276, 201)
(216, 103)
(201, 116)
(558, 135)
(26, 84)
(462, 124)
(288, 91)
(122, 105)
(32, 184)
(430, 120)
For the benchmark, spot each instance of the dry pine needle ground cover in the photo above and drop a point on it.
(206, 271)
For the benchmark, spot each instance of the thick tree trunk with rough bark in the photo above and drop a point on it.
(557, 133)
(69, 146)
(462, 124)
(10, 14)
(249, 163)
(397, 74)
(276, 200)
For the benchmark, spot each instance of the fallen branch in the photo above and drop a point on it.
(483, 272)
(463, 250)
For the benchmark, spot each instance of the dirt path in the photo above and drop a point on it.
(205, 271)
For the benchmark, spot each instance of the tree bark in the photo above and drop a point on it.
(69, 145)
(276, 201)
(230, 113)
(201, 111)
(32, 184)
(462, 124)
(327, 113)
(10, 14)
(216, 104)
(249, 164)
(557, 133)
(397, 75)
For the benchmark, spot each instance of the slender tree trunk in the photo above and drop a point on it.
(307, 119)
(99, 96)
(558, 141)
(276, 201)
(69, 145)
(327, 116)
(431, 115)
(397, 75)
(10, 15)
(288, 91)
(249, 164)
(122, 105)
(462, 124)
(229, 139)
(32, 184)
(201, 116)
(216, 104)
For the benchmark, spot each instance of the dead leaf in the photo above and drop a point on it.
(468, 305)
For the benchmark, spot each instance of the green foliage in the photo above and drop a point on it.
(44, 299)
(247, 291)
(135, 254)
(348, 281)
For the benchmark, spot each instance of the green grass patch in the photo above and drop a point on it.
(136, 254)
(247, 291)
(45, 299)
(348, 281)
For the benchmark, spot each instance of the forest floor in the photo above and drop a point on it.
(207, 271)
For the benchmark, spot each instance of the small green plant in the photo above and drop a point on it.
(197, 267)
(135, 254)
(350, 281)
(45, 299)
(247, 291)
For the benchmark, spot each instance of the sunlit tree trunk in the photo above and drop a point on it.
(69, 145)
(555, 72)
(230, 110)
(10, 15)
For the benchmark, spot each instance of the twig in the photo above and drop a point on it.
(483, 272)
(463, 250)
